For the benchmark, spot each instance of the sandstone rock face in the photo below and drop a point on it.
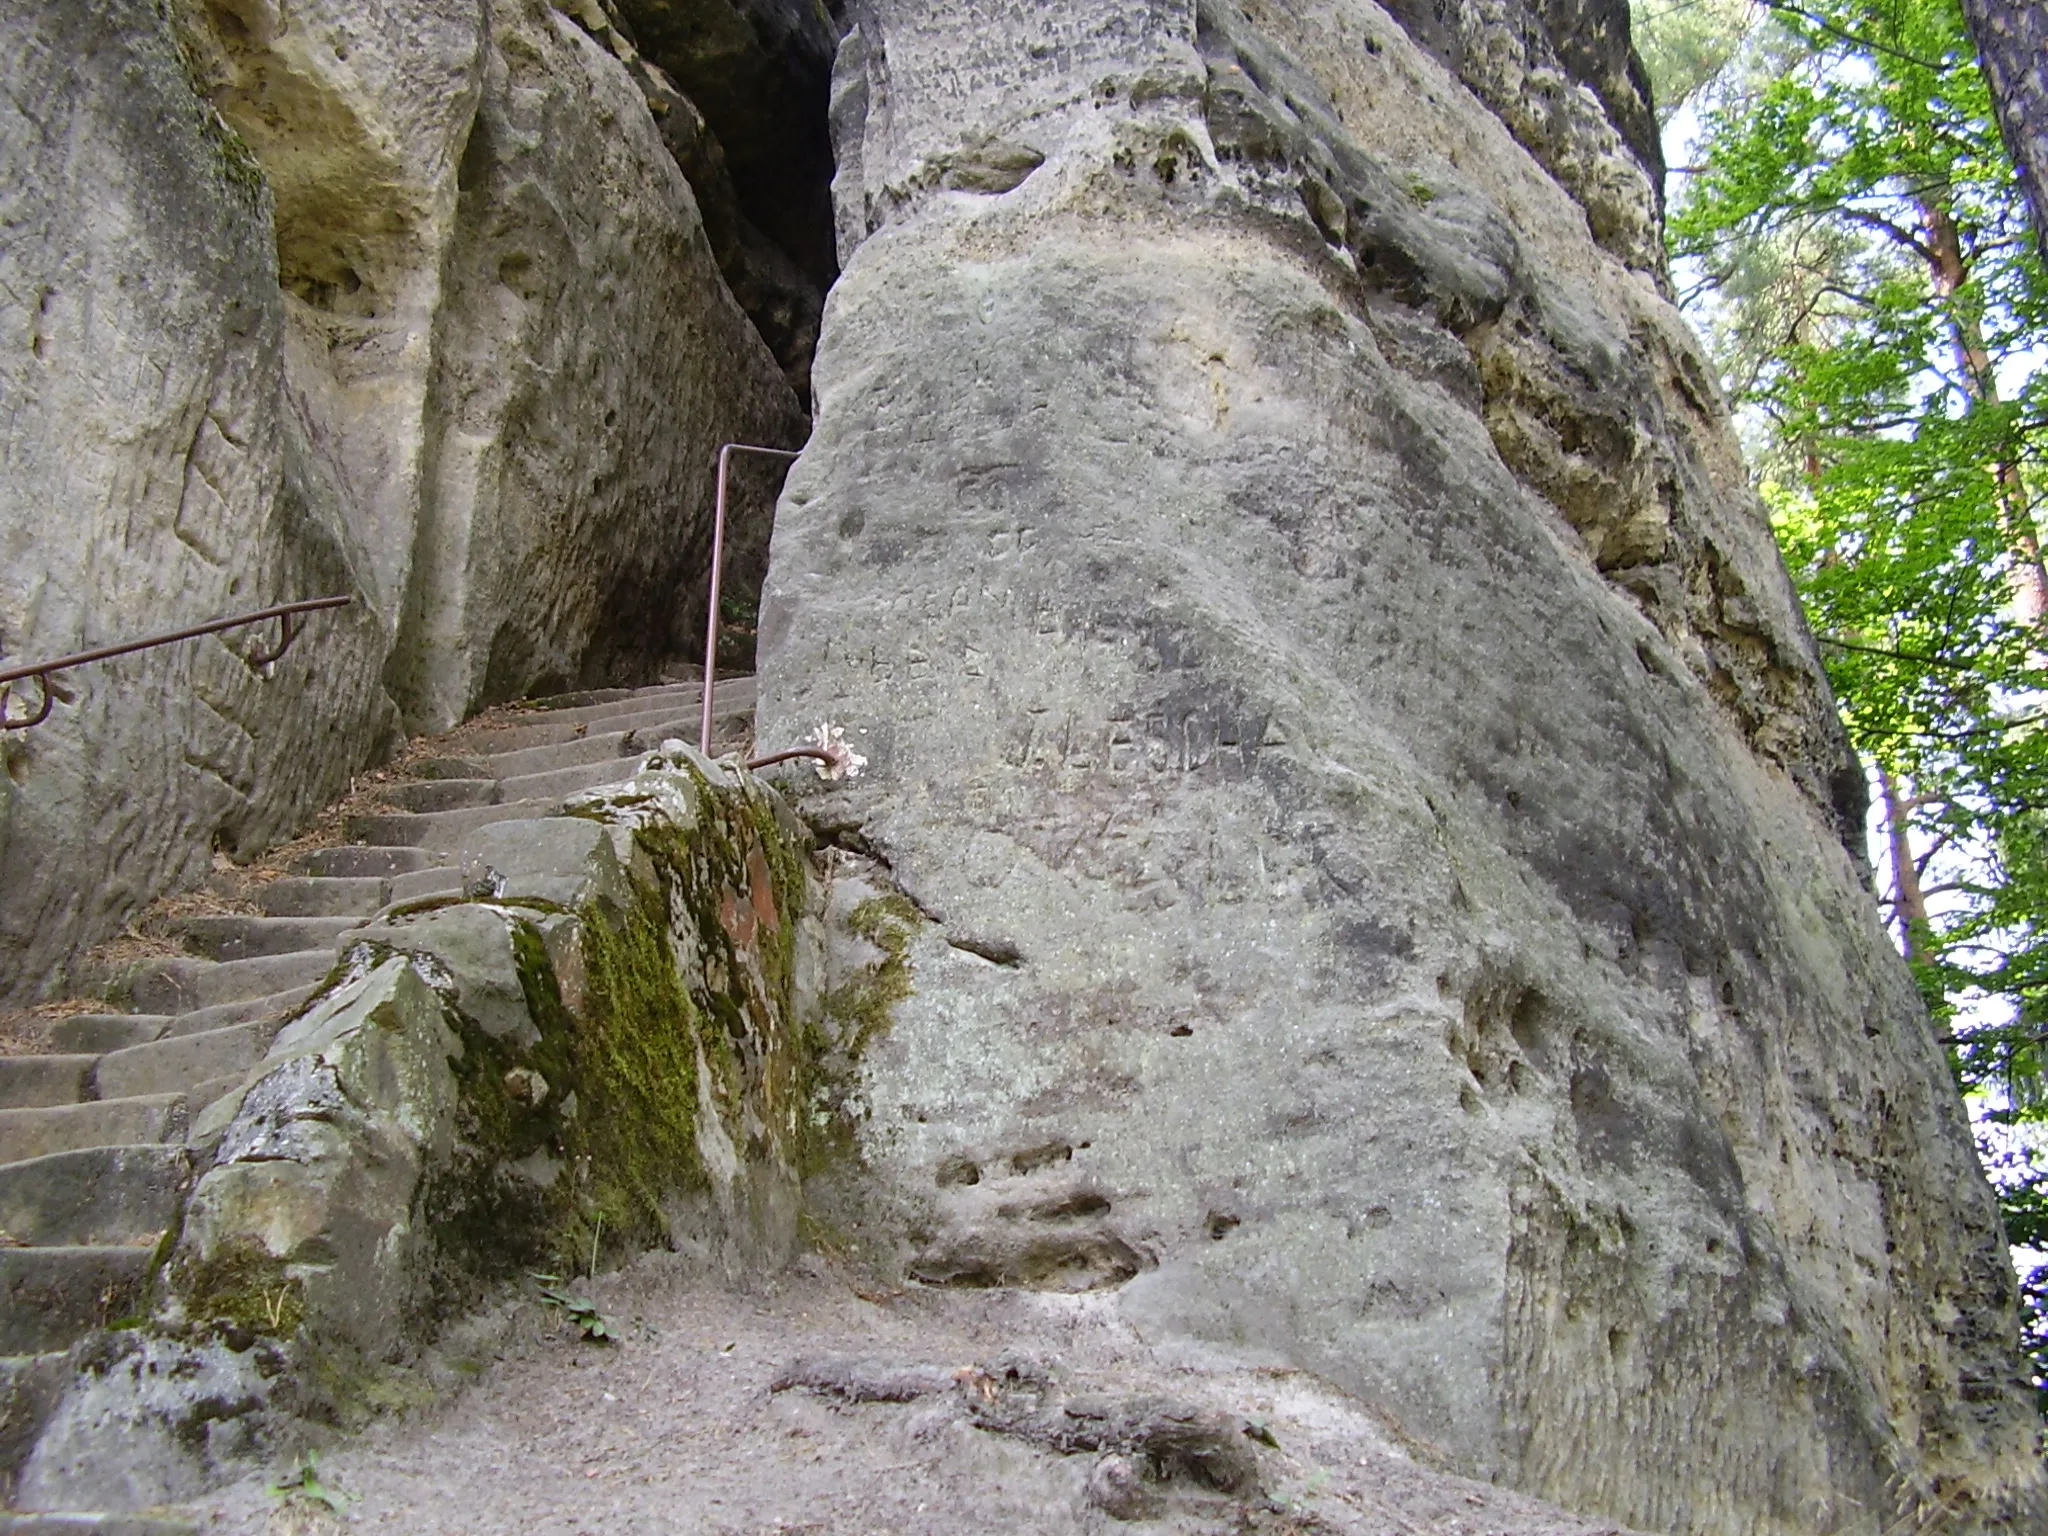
(156, 473)
(410, 303)
(503, 304)
(1379, 822)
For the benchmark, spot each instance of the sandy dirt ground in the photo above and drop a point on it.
(1015, 1413)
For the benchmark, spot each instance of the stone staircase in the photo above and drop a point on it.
(94, 1160)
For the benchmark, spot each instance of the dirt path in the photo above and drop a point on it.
(678, 1428)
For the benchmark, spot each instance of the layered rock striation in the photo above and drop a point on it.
(415, 304)
(1383, 841)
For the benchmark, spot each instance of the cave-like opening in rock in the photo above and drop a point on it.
(741, 90)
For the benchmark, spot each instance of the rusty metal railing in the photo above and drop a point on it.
(718, 577)
(288, 615)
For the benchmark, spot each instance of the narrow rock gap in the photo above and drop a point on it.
(740, 90)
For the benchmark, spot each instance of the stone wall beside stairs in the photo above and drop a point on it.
(585, 1025)
(410, 303)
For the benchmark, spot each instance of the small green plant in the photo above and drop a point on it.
(302, 1487)
(580, 1310)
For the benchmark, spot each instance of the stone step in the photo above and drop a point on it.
(116, 1196)
(314, 896)
(241, 937)
(180, 985)
(652, 723)
(426, 885)
(442, 830)
(589, 749)
(448, 768)
(96, 1525)
(352, 861)
(37, 1082)
(439, 794)
(181, 1063)
(51, 1297)
(558, 784)
(27, 1133)
(578, 698)
(673, 697)
(93, 1033)
(270, 1006)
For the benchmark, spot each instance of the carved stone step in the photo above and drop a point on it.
(586, 697)
(312, 896)
(439, 794)
(181, 1063)
(426, 885)
(542, 730)
(447, 768)
(442, 830)
(93, 1033)
(354, 862)
(559, 783)
(37, 1082)
(26, 1133)
(180, 985)
(589, 749)
(51, 1297)
(111, 1196)
(238, 937)
(265, 1006)
(673, 696)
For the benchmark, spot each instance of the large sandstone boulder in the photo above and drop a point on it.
(413, 304)
(1381, 829)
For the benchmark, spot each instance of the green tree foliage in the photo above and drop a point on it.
(1853, 235)
(1685, 44)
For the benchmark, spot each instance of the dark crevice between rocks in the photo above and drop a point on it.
(740, 90)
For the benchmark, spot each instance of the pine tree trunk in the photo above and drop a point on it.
(2012, 42)
(1945, 258)
(1909, 902)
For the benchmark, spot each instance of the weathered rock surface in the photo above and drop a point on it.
(506, 307)
(412, 304)
(1378, 822)
(613, 1045)
(155, 474)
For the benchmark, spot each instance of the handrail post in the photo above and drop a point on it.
(725, 454)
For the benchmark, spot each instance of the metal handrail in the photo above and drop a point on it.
(718, 576)
(286, 613)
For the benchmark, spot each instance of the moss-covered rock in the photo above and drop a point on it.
(614, 1050)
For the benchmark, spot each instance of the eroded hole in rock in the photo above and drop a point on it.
(1032, 1159)
(1068, 1207)
(1086, 1259)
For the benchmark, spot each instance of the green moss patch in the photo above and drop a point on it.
(862, 1007)
(245, 1284)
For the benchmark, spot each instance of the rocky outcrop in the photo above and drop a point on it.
(1376, 821)
(612, 1041)
(418, 308)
